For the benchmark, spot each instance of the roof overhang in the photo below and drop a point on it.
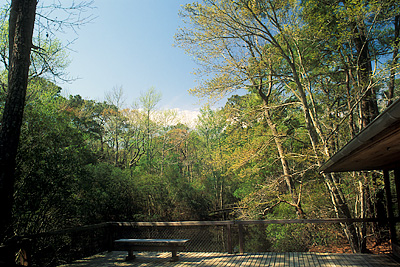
(376, 147)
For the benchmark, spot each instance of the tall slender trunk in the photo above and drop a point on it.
(116, 140)
(285, 166)
(352, 127)
(338, 199)
(369, 105)
(22, 18)
(284, 49)
(393, 64)
(163, 154)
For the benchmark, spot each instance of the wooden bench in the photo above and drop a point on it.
(173, 245)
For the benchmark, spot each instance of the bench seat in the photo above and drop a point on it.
(173, 245)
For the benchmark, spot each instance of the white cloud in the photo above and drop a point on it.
(188, 117)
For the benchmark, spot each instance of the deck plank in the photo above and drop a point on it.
(265, 260)
(271, 259)
(260, 260)
(301, 259)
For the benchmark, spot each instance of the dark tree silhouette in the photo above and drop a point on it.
(21, 24)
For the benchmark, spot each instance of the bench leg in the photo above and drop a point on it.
(130, 255)
(174, 257)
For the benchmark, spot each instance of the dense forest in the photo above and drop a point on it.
(314, 72)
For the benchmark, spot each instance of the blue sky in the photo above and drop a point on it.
(130, 44)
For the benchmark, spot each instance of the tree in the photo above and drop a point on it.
(211, 127)
(134, 138)
(356, 40)
(21, 29)
(241, 60)
(167, 118)
(22, 18)
(116, 121)
(51, 156)
(148, 101)
(229, 38)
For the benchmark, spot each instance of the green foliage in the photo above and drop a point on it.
(83, 161)
(257, 239)
(107, 193)
(50, 160)
(288, 238)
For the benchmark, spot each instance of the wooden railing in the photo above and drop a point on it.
(240, 224)
(62, 246)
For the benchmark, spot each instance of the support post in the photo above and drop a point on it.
(229, 238)
(389, 207)
(397, 183)
(241, 238)
(110, 236)
(395, 245)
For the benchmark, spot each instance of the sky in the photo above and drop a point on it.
(130, 44)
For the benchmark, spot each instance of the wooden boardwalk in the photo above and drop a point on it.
(292, 259)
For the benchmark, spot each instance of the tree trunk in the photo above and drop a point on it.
(21, 23)
(352, 126)
(393, 64)
(338, 199)
(369, 105)
(285, 166)
(116, 138)
(363, 213)
(316, 139)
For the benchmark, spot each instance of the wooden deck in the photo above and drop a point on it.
(292, 259)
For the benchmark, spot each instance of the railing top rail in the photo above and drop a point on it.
(248, 222)
(209, 223)
(315, 221)
(182, 223)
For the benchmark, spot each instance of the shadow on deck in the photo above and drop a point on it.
(117, 258)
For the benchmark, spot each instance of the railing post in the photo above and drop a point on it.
(241, 238)
(229, 238)
(110, 236)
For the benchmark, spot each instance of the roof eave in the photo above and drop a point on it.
(387, 118)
